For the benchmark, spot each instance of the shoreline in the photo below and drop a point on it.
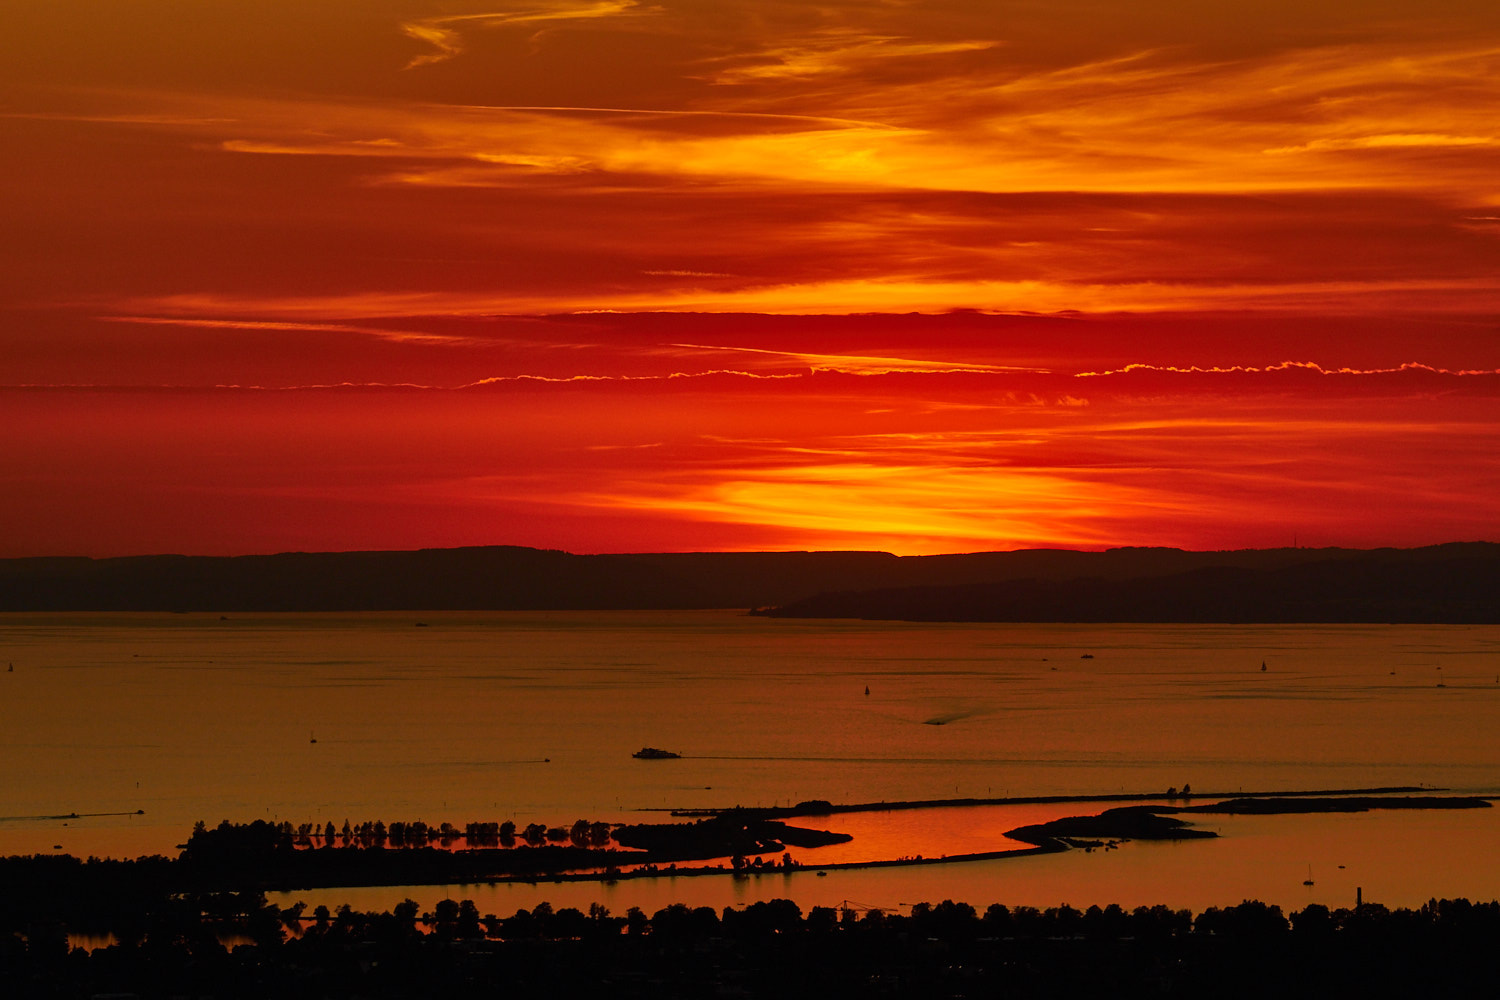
(246, 858)
(1054, 847)
(1054, 837)
(818, 807)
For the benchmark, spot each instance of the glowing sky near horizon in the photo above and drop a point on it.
(619, 275)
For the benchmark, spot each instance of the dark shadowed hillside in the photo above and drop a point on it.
(1457, 583)
(1442, 583)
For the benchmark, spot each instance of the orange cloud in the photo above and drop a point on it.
(1468, 295)
(404, 336)
(606, 274)
(445, 34)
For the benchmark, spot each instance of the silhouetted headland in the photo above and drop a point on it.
(1123, 823)
(1446, 583)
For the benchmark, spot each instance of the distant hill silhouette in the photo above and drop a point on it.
(1458, 582)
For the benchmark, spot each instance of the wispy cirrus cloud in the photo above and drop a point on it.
(618, 274)
(1315, 118)
(1398, 140)
(865, 364)
(121, 118)
(445, 34)
(864, 296)
(219, 323)
(1320, 118)
(1311, 367)
(831, 53)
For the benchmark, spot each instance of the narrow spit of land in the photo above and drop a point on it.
(263, 856)
(1112, 826)
(820, 807)
(71, 815)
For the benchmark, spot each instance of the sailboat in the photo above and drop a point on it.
(1309, 879)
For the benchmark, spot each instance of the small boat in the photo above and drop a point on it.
(1309, 876)
(652, 753)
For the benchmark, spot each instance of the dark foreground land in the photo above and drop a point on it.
(1445, 948)
(200, 925)
(1457, 583)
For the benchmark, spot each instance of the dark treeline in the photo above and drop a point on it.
(262, 856)
(418, 833)
(276, 855)
(725, 832)
(769, 949)
(267, 856)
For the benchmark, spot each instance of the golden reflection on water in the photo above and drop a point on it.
(83, 838)
(929, 833)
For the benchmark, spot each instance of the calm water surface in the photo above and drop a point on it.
(533, 717)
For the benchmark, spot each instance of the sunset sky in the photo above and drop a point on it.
(610, 276)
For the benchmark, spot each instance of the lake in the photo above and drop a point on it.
(534, 716)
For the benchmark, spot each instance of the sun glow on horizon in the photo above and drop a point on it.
(617, 276)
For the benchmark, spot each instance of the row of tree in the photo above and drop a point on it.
(948, 921)
(768, 949)
(378, 834)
